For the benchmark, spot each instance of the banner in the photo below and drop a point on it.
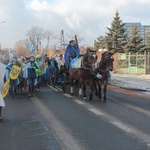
(5, 88)
(31, 44)
(14, 73)
(41, 67)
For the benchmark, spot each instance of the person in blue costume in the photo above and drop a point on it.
(13, 82)
(72, 51)
(30, 75)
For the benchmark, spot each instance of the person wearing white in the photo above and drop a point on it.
(2, 103)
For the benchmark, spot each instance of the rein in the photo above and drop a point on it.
(102, 70)
(88, 64)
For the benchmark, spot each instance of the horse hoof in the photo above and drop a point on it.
(84, 98)
(71, 93)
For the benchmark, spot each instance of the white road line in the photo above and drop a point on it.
(122, 126)
(111, 119)
(59, 89)
(95, 111)
(62, 134)
(136, 108)
(79, 102)
(53, 88)
(147, 113)
(125, 127)
(67, 95)
(148, 144)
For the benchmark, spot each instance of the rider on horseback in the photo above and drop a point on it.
(72, 51)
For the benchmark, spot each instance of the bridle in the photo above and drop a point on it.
(106, 65)
(88, 64)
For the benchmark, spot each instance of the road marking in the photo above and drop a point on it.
(61, 133)
(53, 88)
(59, 89)
(136, 108)
(116, 122)
(122, 126)
(147, 113)
(95, 111)
(148, 144)
(67, 95)
(79, 102)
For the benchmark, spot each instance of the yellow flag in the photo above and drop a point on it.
(14, 73)
(5, 88)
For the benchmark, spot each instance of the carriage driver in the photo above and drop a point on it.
(72, 51)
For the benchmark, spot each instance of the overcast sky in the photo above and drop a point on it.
(89, 18)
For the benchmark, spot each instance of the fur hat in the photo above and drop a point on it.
(71, 41)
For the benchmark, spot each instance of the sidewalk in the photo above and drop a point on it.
(132, 82)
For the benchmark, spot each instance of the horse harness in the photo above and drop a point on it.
(85, 68)
(101, 72)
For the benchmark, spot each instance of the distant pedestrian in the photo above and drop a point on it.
(30, 75)
(13, 82)
(40, 72)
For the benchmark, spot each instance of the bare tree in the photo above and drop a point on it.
(22, 48)
(49, 35)
(37, 34)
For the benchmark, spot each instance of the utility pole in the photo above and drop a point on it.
(62, 38)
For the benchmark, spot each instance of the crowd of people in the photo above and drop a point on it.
(35, 70)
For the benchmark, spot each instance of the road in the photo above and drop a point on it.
(53, 120)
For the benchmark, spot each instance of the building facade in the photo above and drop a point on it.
(144, 30)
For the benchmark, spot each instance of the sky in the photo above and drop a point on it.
(87, 18)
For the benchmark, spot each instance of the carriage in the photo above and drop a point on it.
(86, 74)
(59, 74)
(76, 71)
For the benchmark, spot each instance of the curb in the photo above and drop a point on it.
(128, 86)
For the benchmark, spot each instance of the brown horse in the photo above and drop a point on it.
(102, 73)
(84, 73)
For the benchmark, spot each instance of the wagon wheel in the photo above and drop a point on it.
(63, 83)
(54, 77)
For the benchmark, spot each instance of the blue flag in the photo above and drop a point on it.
(32, 49)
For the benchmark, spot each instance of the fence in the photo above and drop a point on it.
(132, 64)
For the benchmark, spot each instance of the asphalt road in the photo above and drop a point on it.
(54, 120)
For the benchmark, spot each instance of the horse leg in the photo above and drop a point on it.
(92, 88)
(96, 93)
(80, 86)
(99, 92)
(71, 89)
(84, 92)
(105, 89)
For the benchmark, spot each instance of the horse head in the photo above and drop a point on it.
(106, 60)
(89, 59)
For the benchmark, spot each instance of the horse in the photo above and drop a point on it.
(84, 73)
(104, 66)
